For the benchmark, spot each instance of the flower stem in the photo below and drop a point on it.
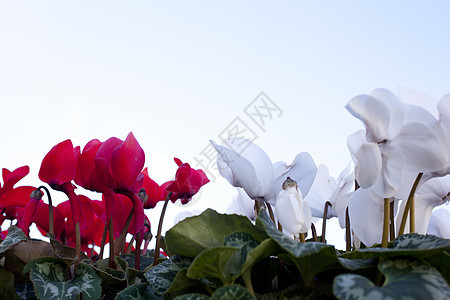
(280, 228)
(385, 236)
(158, 236)
(302, 238)
(348, 236)
(257, 208)
(137, 253)
(130, 245)
(269, 208)
(78, 241)
(112, 263)
(314, 232)
(392, 224)
(408, 204)
(51, 229)
(121, 239)
(324, 223)
(412, 216)
(102, 246)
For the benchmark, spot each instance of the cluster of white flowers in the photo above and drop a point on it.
(401, 140)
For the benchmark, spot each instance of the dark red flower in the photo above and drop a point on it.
(11, 178)
(86, 171)
(154, 191)
(58, 170)
(89, 235)
(37, 212)
(187, 182)
(119, 164)
(13, 200)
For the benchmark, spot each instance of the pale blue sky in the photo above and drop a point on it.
(176, 73)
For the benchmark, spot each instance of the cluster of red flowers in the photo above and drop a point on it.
(113, 168)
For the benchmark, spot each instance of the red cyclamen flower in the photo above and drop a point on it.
(187, 182)
(118, 165)
(58, 170)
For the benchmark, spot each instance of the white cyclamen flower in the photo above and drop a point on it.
(246, 165)
(397, 137)
(432, 193)
(292, 213)
(440, 223)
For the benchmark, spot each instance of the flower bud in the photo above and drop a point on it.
(36, 194)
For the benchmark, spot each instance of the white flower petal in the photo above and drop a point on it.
(323, 184)
(418, 98)
(290, 211)
(366, 217)
(245, 165)
(388, 182)
(368, 165)
(316, 204)
(420, 147)
(354, 142)
(444, 115)
(302, 170)
(243, 172)
(381, 112)
(340, 206)
(440, 223)
(242, 204)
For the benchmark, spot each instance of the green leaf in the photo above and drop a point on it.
(405, 279)
(357, 264)
(182, 284)
(265, 249)
(7, 290)
(192, 297)
(14, 236)
(193, 235)
(161, 276)
(310, 258)
(144, 261)
(121, 263)
(135, 276)
(134, 292)
(441, 262)
(217, 262)
(412, 244)
(232, 292)
(243, 240)
(50, 280)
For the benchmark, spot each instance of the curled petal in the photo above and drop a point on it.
(381, 112)
(11, 178)
(354, 142)
(243, 172)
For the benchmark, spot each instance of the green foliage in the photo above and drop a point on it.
(51, 281)
(196, 234)
(405, 279)
(161, 276)
(219, 256)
